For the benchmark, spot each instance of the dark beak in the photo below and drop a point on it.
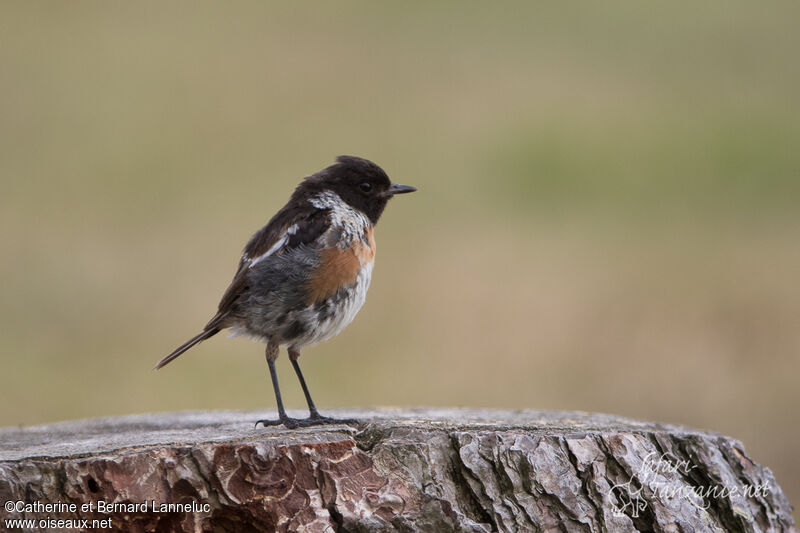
(396, 188)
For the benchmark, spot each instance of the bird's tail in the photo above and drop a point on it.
(206, 333)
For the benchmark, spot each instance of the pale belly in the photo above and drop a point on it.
(307, 325)
(336, 313)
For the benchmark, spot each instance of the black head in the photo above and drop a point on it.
(359, 182)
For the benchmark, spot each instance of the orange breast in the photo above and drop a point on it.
(339, 268)
(366, 252)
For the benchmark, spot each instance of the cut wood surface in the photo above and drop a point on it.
(402, 470)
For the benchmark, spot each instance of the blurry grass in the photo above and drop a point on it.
(607, 216)
(738, 168)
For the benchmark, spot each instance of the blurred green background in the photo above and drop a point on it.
(607, 217)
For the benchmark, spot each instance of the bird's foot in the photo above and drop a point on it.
(315, 419)
(290, 423)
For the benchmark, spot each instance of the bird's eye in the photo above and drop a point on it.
(365, 186)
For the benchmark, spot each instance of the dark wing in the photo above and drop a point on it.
(291, 227)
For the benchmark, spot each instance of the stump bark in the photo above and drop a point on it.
(403, 470)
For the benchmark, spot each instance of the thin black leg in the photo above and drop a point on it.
(314, 417)
(277, 388)
(312, 409)
(282, 417)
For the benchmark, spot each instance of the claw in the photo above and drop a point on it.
(318, 419)
(313, 420)
(290, 423)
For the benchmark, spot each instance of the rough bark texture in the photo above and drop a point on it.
(405, 470)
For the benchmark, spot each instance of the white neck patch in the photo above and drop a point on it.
(350, 221)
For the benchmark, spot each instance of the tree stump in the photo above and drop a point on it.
(403, 470)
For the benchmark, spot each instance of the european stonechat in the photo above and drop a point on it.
(304, 276)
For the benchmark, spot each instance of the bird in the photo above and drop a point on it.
(303, 277)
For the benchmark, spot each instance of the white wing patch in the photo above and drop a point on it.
(274, 248)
